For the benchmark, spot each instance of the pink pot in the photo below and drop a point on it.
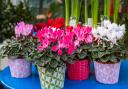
(107, 73)
(79, 70)
(20, 68)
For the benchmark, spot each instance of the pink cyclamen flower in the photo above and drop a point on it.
(45, 43)
(17, 31)
(89, 39)
(27, 29)
(19, 28)
(80, 33)
(88, 30)
(77, 43)
(54, 48)
(40, 48)
(71, 49)
(40, 35)
(23, 29)
(59, 52)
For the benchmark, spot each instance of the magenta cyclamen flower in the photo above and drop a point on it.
(59, 52)
(89, 39)
(71, 49)
(83, 34)
(23, 29)
(80, 33)
(66, 40)
(64, 43)
(88, 35)
(48, 36)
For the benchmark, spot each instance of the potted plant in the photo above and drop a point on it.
(15, 49)
(107, 51)
(78, 67)
(48, 54)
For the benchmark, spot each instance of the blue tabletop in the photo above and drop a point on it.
(33, 82)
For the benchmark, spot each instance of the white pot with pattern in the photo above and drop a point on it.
(52, 79)
(107, 73)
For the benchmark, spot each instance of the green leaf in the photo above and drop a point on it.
(86, 47)
(64, 57)
(54, 64)
(104, 60)
(82, 55)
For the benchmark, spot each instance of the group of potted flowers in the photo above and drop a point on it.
(56, 49)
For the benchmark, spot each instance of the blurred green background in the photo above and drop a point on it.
(32, 11)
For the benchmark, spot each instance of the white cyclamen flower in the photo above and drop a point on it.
(109, 31)
(106, 23)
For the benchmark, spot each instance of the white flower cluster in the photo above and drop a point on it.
(109, 31)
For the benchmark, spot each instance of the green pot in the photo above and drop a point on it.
(53, 79)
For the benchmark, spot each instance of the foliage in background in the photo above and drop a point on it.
(56, 8)
(123, 19)
(10, 15)
(67, 16)
(116, 10)
(94, 10)
(107, 8)
(86, 11)
(75, 7)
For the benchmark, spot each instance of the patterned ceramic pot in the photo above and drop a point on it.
(79, 70)
(53, 79)
(107, 73)
(20, 68)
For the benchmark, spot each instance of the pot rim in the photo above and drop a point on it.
(86, 59)
(108, 62)
(55, 68)
(14, 57)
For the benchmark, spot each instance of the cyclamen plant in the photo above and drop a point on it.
(51, 50)
(57, 46)
(82, 40)
(19, 45)
(108, 45)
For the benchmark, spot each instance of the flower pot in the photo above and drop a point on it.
(107, 73)
(79, 70)
(52, 79)
(20, 68)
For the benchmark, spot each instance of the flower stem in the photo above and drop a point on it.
(94, 7)
(116, 8)
(73, 8)
(67, 11)
(107, 8)
(86, 11)
(78, 9)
